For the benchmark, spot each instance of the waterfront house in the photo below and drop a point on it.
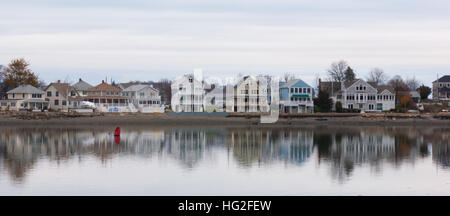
(25, 97)
(215, 100)
(187, 94)
(359, 94)
(296, 96)
(250, 95)
(108, 98)
(60, 95)
(414, 95)
(82, 87)
(441, 89)
(144, 97)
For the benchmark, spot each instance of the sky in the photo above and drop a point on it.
(150, 40)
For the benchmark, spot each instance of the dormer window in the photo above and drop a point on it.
(191, 80)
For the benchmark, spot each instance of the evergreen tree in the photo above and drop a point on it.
(349, 74)
(323, 102)
(424, 91)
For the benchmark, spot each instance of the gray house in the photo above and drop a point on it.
(82, 87)
(359, 94)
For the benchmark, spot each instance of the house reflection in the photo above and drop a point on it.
(256, 146)
(342, 150)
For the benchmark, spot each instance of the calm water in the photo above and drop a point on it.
(225, 161)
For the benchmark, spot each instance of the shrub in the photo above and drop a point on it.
(338, 106)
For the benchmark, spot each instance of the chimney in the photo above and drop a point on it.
(103, 81)
(80, 80)
(59, 81)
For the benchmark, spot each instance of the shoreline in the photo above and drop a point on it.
(174, 121)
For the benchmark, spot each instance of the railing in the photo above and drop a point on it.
(112, 104)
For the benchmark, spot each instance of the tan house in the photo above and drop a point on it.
(60, 95)
(108, 98)
(250, 95)
(25, 97)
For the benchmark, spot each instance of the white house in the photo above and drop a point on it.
(187, 94)
(144, 97)
(215, 100)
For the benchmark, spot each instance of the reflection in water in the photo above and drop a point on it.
(342, 150)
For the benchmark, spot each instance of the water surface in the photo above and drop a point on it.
(225, 161)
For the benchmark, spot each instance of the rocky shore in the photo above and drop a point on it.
(98, 119)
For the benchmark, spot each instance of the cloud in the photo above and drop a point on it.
(152, 39)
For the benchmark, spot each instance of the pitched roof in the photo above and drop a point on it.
(63, 88)
(82, 85)
(128, 84)
(138, 87)
(445, 78)
(350, 83)
(104, 87)
(296, 82)
(27, 89)
(381, 88)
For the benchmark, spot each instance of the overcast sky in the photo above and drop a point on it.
(150, 40)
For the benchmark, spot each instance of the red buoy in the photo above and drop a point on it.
(117, 132)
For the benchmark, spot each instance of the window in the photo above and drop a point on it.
(4, 104)
(23, 95)
(57, 94)
(14, 95)
(296, 90)
(49, 94)
(309, 90)
(64, 103)
(13, 104)
(292, 90)
(141, 94)
(56, 102)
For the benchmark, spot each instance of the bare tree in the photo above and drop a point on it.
(288, 76)
(336, 72)
(412, 83)
(378, 76)
(398, 84)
